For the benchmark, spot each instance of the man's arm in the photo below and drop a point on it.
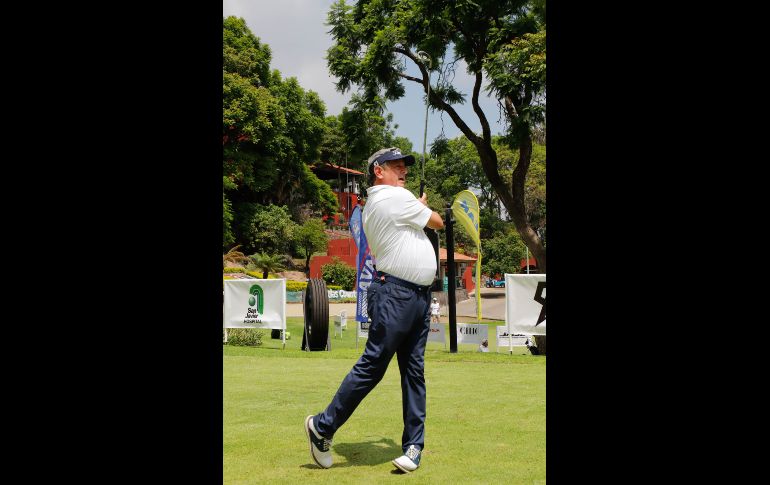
(435, 221)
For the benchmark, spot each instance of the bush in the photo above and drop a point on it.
(339, 274)
(296, 285)
(333, 287)
(249, 337)
(231, 269)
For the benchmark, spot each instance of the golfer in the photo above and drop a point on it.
(398, 303)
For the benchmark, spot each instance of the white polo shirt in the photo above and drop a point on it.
(393, 221)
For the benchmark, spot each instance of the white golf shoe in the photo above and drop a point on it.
(409, 461)
(320, 447)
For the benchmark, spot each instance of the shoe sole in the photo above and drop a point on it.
(401, 468)
(307, 433)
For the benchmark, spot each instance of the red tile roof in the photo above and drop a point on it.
(458, 256)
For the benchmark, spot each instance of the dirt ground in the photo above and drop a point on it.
(292, 275)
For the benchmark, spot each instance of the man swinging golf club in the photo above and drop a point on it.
(398, 303)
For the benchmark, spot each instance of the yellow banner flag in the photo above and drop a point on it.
(465, 209)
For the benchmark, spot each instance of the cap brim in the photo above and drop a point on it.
(408, 160)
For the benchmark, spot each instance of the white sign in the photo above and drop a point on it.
(255, 303)
(525, 303)
(437, 333)
(504, 339)
(471, 333)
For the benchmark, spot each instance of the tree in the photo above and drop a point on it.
(504, 40)
(266, 228)
(311, 237)
(502, 253)
(267, 263)
(271, 130)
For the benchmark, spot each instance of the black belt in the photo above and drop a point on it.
(388, 278)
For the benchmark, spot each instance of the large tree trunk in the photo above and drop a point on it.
(513, 196)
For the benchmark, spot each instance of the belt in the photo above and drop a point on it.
(388, 278)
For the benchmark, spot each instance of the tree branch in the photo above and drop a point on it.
(411, 78)
(486, 133)
(434, 99)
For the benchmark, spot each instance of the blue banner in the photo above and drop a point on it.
(364, 264)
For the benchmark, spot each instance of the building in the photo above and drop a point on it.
(345, 185)
(532, 263)
(465, 269)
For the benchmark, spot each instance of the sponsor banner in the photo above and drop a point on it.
(465, 208)
(472, 333)
(504, 339)
(437, 333)
(255, 303)
(339, 294)
(525, 303)
(364, 265)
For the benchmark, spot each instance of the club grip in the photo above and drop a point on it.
(422, 187)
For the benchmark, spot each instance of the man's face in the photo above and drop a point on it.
(392, 173)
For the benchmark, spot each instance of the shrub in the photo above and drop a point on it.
(339, 274)
(296, 285)
(231, 269)
(333, 287)
(249, 337)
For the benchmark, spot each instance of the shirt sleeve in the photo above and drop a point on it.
(409, 211)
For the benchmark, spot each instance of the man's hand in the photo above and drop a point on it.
(424, 199)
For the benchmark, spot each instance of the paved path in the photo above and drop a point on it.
(492, 307)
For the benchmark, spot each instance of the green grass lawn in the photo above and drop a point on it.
(485, 417)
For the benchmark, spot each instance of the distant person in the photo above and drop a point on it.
(398, 302)
(484, 347)
(435, 311)
(530, 343)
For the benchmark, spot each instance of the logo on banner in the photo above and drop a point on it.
(540, 298)
(467, 210)
(365, 279)
(256, 298)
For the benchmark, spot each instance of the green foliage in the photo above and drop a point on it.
(265, 228)
(227, 218)
(296, 285)
(316, 192)
(247, 337)
(310, 237)
(503, 253)
(335, 287)
(518, 69)
(339, 273)
(266, 263)
(233, 270)
(243, 53)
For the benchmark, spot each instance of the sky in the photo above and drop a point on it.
(297, 35)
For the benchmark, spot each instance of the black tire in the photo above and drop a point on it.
(316, 310)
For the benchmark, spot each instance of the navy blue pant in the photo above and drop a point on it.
(400, 325)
